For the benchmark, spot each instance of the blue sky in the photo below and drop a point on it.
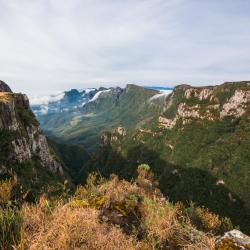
(52, 45)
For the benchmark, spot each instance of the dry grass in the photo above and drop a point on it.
(108, 214)
(71, 228)
(6, 187)
(207, 221)
(5, 96)
(136, 217)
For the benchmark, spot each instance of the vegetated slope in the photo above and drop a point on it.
(73, 157)
(129, 107)
(24, 152)
(113, 214)
(199, 149)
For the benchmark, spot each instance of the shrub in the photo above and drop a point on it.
(144, 167)
(207, 221)
(6, 187)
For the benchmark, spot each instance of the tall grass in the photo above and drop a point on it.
(10, 229)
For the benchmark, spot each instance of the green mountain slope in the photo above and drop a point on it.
(129, 107)
(199, 148)
(73, 157)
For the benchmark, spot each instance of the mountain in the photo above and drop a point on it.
(62, 102)
(130, 107)
(197, 145)
(196, 140)
(171, 170)
(25, 152)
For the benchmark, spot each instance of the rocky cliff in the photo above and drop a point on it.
(21, 138)
(188, 103)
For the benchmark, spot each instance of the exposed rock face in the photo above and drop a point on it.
(120, 130)
(27, 139)
(166, 123)
(8, 119)
(105, 139)
(234, 240)
(200, 94)
(117, 133)
(208, 103)
(237, 104)
(4, 87)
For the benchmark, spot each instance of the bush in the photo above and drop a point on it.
(6, 187)
(144, 167)
(207, 221)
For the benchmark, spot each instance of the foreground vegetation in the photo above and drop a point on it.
(107, 214)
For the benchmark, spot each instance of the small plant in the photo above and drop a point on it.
(144, 167)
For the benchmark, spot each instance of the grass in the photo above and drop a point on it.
(5, 97)
(109, 214)
(10, 229)
(6, 189)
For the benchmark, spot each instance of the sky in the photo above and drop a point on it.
(53, 45)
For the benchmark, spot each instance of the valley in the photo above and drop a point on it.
(195, 137)
(182, 151)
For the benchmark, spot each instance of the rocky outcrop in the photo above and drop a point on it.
(234, 240)
(4, 87)
(237, 104)
(120, 131)
(166, 123)
(208, 103)
(8, 118)
(22, 133)
(199, 93)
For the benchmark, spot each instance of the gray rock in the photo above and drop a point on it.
(234, 240)
(4, 87)
(28, 139)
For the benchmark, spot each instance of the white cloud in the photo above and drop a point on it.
(46, 45)
(39, 100)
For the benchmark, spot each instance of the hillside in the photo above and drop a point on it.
(115, 214)
(174, 176)
(198, 147)
(130, 107)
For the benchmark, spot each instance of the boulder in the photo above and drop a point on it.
(233, 240)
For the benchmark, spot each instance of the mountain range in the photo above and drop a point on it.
(80, 117)
(195, 139)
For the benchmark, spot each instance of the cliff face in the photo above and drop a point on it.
(21, 138)
(211, 103)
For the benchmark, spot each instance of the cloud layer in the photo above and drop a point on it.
(51, 45)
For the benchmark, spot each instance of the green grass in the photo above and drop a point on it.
(10, 229)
